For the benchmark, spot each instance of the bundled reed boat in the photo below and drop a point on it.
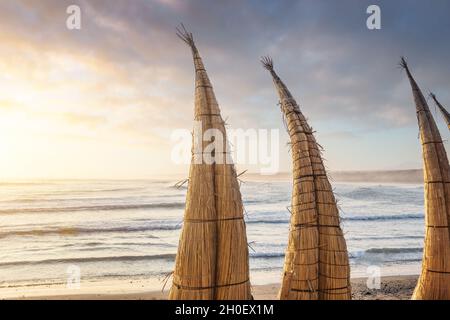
(434, 281)
(316, 263)
(212, 262)
(444, 112)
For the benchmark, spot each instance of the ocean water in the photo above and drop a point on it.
(130, 229)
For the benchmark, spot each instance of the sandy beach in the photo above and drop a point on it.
(392, 288)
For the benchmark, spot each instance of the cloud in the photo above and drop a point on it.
(323, 51)
(127, 73)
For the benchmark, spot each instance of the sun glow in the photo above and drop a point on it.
(67, 115)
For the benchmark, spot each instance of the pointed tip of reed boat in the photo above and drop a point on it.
(185, 35)
(267, 62)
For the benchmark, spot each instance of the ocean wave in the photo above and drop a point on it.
(111, 247)
(173, 205)
(354, 254)
(355, 218)
(266, 255)
(385, 217)
(51, 198)
(385, 194)
(264, 200)
(67, 231)
(384, 238)
(366, 193)
(97, 243)
(377, 252)
(176, 225)
(268, 221)
(394, 250)
(168, 256)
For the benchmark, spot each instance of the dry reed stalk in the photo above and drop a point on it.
(434, 281)
(212, 259)
(316, 262)
(444, 112)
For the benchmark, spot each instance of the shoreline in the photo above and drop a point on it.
(392, 288)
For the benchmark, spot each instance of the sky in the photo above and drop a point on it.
(103, 101)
